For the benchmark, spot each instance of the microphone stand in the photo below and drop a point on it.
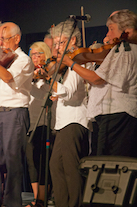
(47, 102)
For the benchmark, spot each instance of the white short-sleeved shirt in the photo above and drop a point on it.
(70, 104)
(119, 94)
(17, 93)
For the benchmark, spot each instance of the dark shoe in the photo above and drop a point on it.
(39, 203)
(30, 204)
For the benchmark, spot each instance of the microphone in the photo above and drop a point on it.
(86, 18)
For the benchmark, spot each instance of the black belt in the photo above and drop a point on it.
(2, 108)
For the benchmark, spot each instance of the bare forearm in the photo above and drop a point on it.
(86, 74)
(5, 75)
(54, 87)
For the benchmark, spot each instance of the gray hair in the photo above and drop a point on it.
(41, 47)
(65, 28)
(124, 19)
(48, 36)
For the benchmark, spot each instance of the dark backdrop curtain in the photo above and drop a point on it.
(92, 34)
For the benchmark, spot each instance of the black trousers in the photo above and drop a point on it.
(117, 134)
(71, 144)
(14, 125)
(94, 139)
(36, 155)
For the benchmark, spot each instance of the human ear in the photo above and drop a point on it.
(73, 40)
(17, 39)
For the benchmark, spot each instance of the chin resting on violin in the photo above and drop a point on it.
(114, 33)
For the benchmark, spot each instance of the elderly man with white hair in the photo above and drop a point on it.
(15, 86)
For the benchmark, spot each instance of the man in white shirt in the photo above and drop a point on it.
(15, 86)
(113, 97)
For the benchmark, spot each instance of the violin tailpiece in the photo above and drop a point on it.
(117, 49)
(127, 46)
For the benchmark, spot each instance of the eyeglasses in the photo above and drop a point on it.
(59, 43)
(36, 54)
(6, 39)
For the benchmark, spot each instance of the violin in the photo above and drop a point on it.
(83, 56)
(39, 75)
(51, 66)
(7, 56)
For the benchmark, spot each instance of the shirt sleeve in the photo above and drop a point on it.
(70, 85)
(21, 69)
(115, 67)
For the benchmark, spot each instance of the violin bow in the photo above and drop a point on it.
(83, 28)
(52, 35)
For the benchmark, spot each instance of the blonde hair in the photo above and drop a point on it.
(65, 28)
(41, 47)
